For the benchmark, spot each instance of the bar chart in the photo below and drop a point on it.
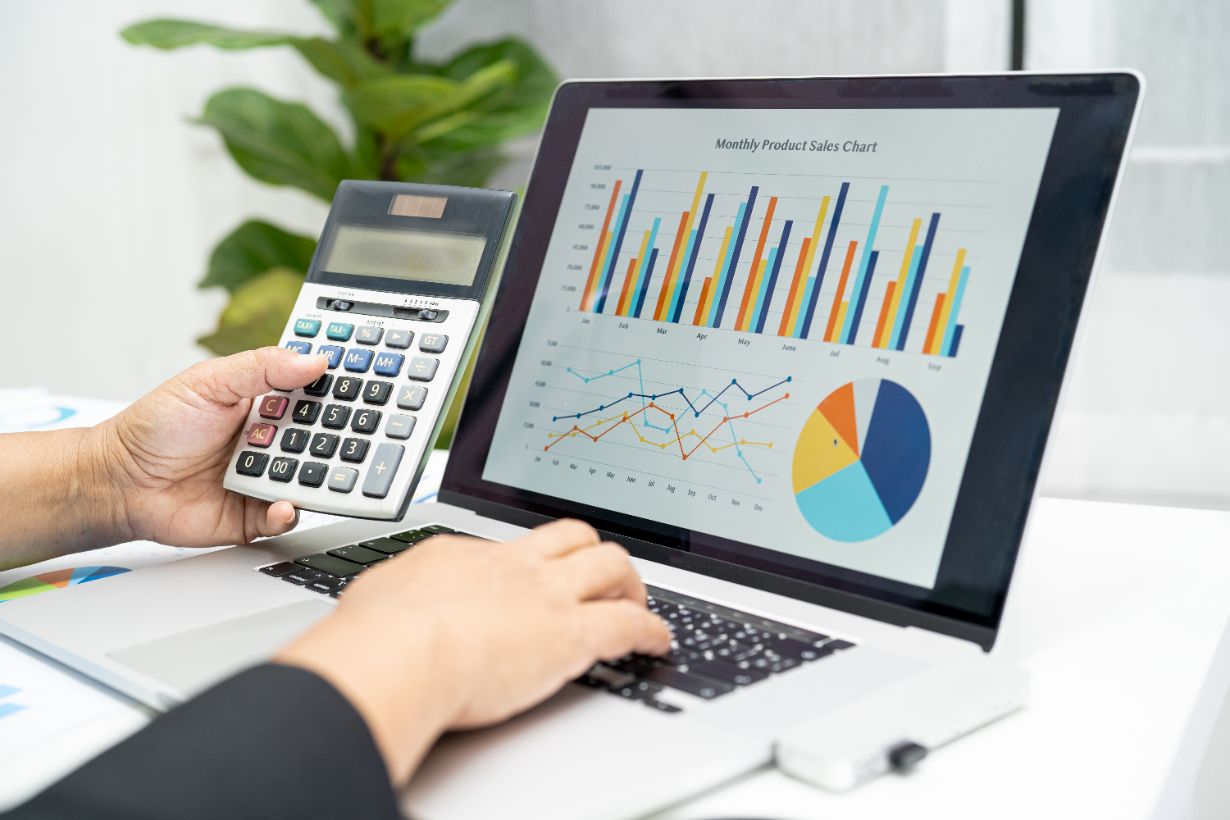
(813, 265)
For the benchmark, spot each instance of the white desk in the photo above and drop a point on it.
(1116, 611)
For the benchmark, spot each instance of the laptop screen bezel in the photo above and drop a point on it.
(1095, 113)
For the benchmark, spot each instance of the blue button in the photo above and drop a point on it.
(358, 361)
(299, 347)
(339, 331)
(333, 352)
(388, 364)
(307, 327)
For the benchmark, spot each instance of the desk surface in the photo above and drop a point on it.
(1116, 611)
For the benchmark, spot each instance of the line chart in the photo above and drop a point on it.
(686, 441)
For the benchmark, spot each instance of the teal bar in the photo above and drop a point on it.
(764, 288)
(730, 249)
(946, 345)
(799, 322)
(898, 320)
(644, 265)
(683, 263)
(863, 261)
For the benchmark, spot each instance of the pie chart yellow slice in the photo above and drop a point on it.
(820, 453)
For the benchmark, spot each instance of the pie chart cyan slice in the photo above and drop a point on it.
(861, 460)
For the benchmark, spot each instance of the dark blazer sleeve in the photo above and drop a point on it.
(272, 742)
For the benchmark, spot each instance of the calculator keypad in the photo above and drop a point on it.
(341, 444)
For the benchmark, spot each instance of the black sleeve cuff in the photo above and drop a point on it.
(272, 742)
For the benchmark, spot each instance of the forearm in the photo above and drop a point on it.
(56, 496)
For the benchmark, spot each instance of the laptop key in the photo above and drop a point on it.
(388, 546)
(330, 564)
(278, 570)
(323, 585)
(412, 536)
(302, 576)
(701, 687)
(358, 554)
(726, 671)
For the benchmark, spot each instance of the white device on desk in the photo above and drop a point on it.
(823, 473)
(393, 298)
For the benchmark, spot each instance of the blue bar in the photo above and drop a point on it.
(734, 257)
(620, 229)
(722, 275)
(851, 322)
(862, 296)
(775, 265)
(824, 259)
(640, 274)
(764, 285)
(681, 292)
(670, 307)
(640, 299)
(922, 271)
(797, 331)
(956, 339)
(906, 287)
(952, 312)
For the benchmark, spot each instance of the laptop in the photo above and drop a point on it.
(796, 343)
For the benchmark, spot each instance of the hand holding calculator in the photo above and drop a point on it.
(394, 298)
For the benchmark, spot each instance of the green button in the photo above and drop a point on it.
(339, 331)
(307, 327)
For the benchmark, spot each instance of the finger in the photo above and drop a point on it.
(245, 375)
(560, 537)
(615, 628)
(264, 519)
(281, 517)
(601, 571)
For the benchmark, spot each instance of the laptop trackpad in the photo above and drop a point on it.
(191, 661)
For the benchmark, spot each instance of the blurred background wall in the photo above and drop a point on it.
(110, 200)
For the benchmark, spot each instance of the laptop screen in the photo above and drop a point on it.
(771, 332)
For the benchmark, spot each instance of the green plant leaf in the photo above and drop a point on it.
(256, 313)
(278, 142)
(471, 169)
(170, 34)
(393, 105)
(340, 13)
(385, 17)
(343, 61)
(253, 248)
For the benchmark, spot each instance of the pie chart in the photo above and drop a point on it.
(861, 460)
(58, 579)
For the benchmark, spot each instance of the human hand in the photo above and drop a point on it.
(164, 457)
(460, 632)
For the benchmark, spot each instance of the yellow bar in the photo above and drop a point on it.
(717, 268)
(673, 274)
(953, 279)
(901, 275)
(625, 305)
(811, 255)
(592, 297)
(841, 319)
(755, 285)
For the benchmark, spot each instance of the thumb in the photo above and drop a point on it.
(232, 379)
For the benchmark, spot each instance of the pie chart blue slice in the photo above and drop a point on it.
(845, 506)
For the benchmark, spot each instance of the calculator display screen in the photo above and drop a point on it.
(416, 256)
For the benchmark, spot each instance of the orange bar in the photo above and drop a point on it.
(663, 294)
(841, 286)
(623, 295)
(702, 307)
(884, 311)
(935, 322)
(587, 295)
(677, 263)
(752, 273)
(882, 341)
(953, 281)
(796, 291)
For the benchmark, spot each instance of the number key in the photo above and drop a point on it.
(283, 469)
(354, 449)
(306, 412)
(347, 388)
(324, 445)
(251, 463)
(365, 421)
(320, 387)
(375, 392)
(294, 440)
(336, 416)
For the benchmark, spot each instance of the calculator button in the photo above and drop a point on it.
(347, 388)
(342, 479)
(307, 327)
(388, 364)
(339, 331)
(334, 353)
(365, 421)
(375, 392)
(335, 417)
(251, 463)
(283, 469)
(400, 426)
(357, 361)
(298, 347)
(324, 445)
(320, 387)
(306, 411)
(400, 339)
(423, 369)
(294, 440)
(261, 435)
(411, 397)
(369, 335)
(354, 449)
(313, 473)
(384, 467)
(433, 342)
(273, 406)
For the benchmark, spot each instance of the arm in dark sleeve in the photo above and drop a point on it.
(271, 742)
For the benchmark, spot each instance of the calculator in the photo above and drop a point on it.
(395, 295)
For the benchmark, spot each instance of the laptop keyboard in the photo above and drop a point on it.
(715, 649)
